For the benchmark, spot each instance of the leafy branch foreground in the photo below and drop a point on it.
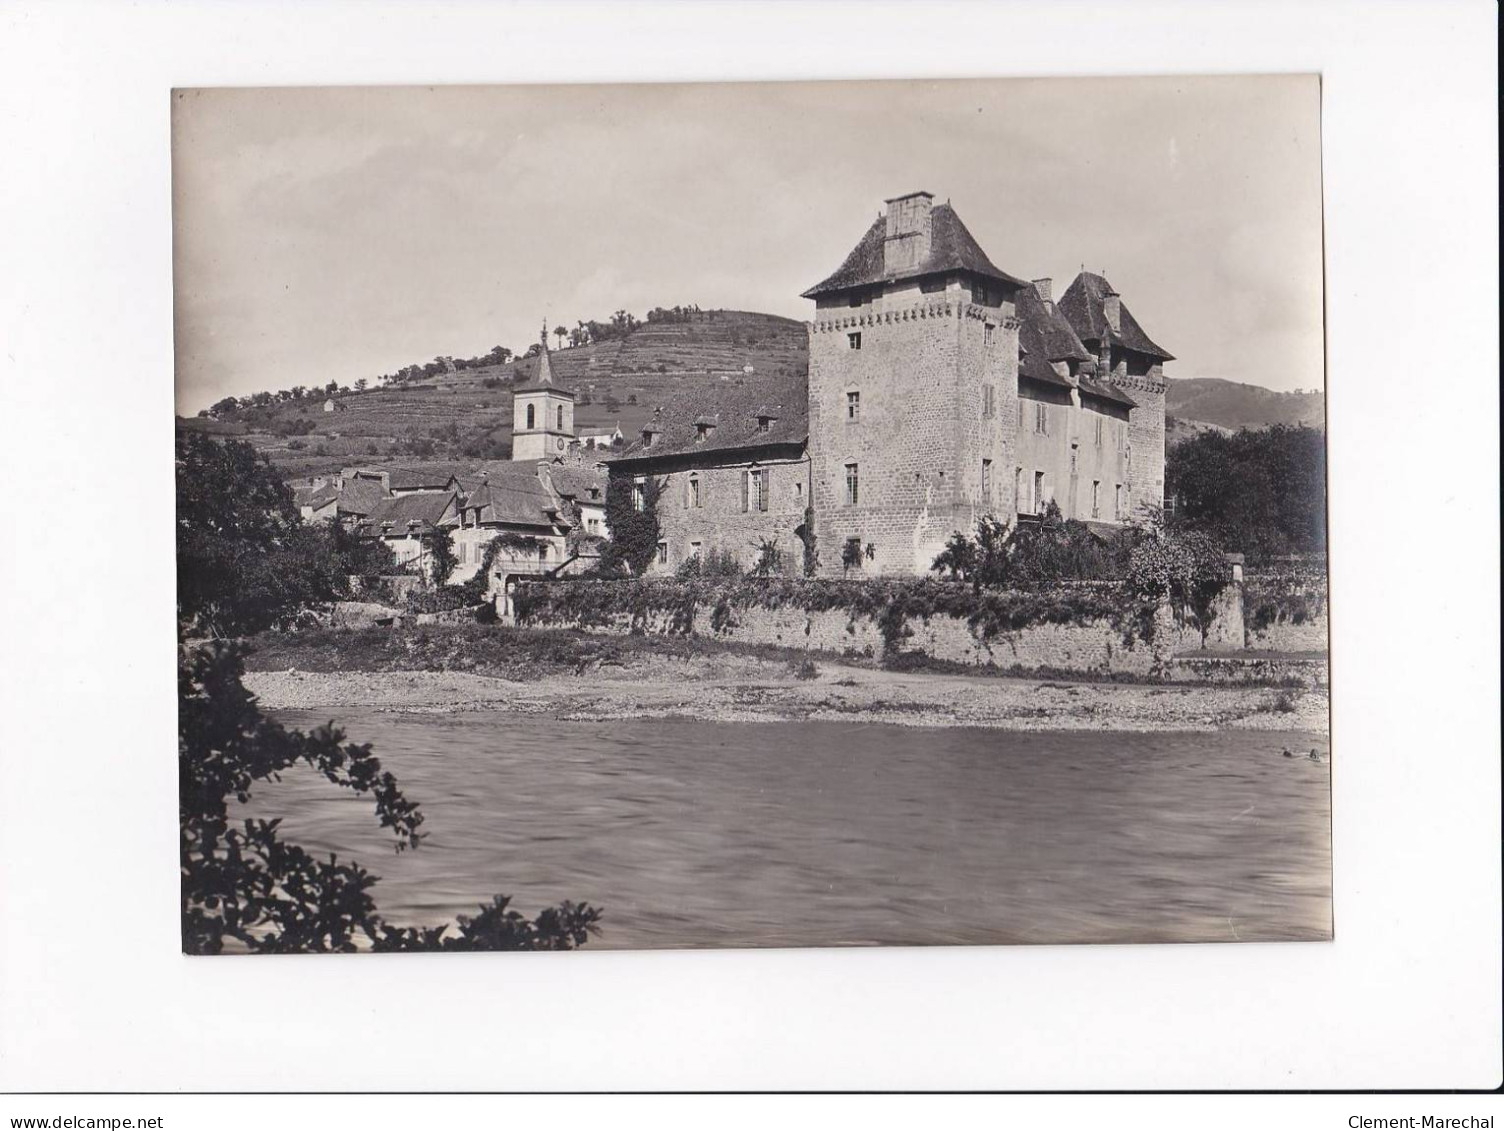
(241, 883)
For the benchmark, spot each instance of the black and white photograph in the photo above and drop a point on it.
(809, 514)
(754, 564)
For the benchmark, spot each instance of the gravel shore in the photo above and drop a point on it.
(744, 689)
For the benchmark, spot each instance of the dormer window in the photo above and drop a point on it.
(704, 429)
(764, 423)
(648, 436)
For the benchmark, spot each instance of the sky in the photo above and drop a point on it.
(338, 233)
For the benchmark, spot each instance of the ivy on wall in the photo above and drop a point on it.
(893, 605)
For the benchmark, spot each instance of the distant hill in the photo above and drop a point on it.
(467, 415)
(1209, 400)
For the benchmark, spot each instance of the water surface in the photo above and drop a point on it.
(692, 834)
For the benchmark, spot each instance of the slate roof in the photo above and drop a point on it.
(1093, 388)
(734, 407)
(1045, 330)
(1082, 305)
(315, 497)
(514, 500)
(578, 482)
(420, 513)
(543, 376)
(952, 248)
(360, 496)
(419, 478)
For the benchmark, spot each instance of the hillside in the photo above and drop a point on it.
(1209, 400)
(467, 415)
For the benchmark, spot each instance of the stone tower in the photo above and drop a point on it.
(542, 413)
(1129, 361)
(913, 392)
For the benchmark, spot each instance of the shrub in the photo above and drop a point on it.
(716, 562)
(804, 669)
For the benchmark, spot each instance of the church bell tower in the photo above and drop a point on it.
(542, 413)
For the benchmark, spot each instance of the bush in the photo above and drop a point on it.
(805, 669)
(716, 562)
(1034, 555)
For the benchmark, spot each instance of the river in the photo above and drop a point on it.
(696, 834)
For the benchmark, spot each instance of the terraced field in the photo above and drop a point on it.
(458, 417)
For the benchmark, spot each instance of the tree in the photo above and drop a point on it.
(562, 334)
(360, 385)
(246, 560)
(632, 517)
(1259, 492)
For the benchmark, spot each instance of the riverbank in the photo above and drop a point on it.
(594, 681)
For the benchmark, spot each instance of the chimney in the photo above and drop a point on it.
(906, 240)
(1045, 289)
(1112, 308)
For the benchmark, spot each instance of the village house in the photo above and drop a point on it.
(732, 470)
(407, 525)
(602, 441)
(940, 389)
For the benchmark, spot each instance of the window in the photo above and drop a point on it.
(1020, 414)
(1038, 492)
(693, 498)
(764, 423)
(529, 416)
(1117, 501)
(1096, 498)
(560, 425)
(755, 489)
(799, 490)
(1041, 419)
(851, 485)
(694, 549)
(639, 494)
(1018, 489)
(986, 333)
(703, 431)
(987, 404)
(663, 553)
(593, 525)
(1099, 431)
(854, 341)
(853, 406)
(987, 482)
(648, 436)
(464, 552)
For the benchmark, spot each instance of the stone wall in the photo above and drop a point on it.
(701, 504)
(1096, 647)
(1285, 606)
